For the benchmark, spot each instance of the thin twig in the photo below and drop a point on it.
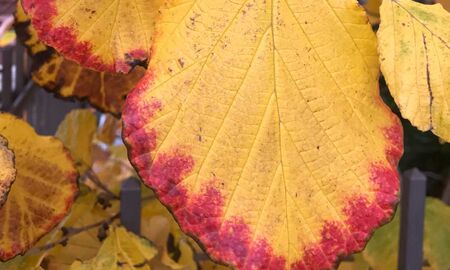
(91, 175)
(148, 198)
(72, 232)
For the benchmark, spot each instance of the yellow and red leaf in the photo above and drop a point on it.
(67, 79)
(259, 124)
(104, 35)
(44, 189)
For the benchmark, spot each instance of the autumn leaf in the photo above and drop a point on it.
(44, 189)
(109, 129)
(8, 171)
(85, 245)
(382, 250)
(120, 250)
(76, 132)
(158, 225)
(414, 50)
(259, 124)
(67, 79)
(112, 36)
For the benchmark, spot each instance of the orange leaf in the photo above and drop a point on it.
(43, 191)
(260, 125)
(104, 35)
(8, 172)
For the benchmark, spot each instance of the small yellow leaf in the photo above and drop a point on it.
(77, 131)
(7, 172)
(120, 250)
(68, 79)
(7, 39)
(157, 224)
(44, 189)
(83, 246)
(108, 130)
(414, 51)
(259, 124)
(104, 35)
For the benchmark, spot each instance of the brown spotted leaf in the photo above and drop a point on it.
(7, 171)
(43, 191)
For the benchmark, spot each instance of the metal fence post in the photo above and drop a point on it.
(7, 62)
(412, 207)
(130, 205)
(19, 53)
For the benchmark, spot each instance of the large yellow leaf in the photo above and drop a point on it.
(105, 91)
(414, 50)
(259, 123)
(43, 191)
(76, 132)
(8, 171)
(103, 35)
(120, 250)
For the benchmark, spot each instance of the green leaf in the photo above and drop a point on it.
(437, 234)
(382, 250)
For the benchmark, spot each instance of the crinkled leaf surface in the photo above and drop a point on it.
(120, 250)
(259, 124)
(382, 250)
(8, 171)
(43, 191)
(103, 35)
(414, 45)
(105, 91)
(76, 132)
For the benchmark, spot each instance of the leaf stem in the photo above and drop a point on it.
(72, 232)
(91, 175)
